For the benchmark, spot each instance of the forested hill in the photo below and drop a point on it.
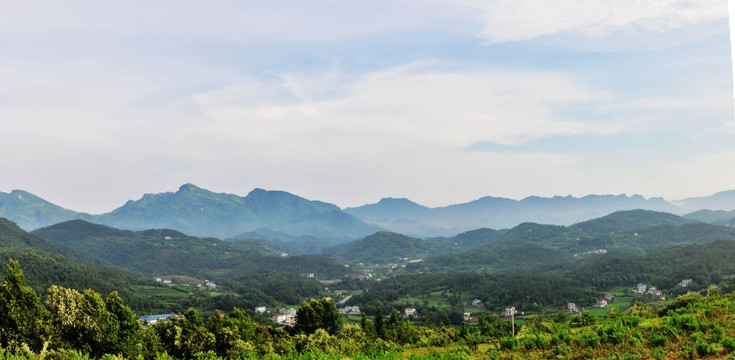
(710, 263)
(715, 217)
(634, 232)
(387, 247)
(167, 252)
(628, 222)
(12, 236)
(48, 263)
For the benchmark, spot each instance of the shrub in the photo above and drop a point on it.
(658, 339)
(728, 344)
(560, 350)
(588, 339)
(704, 348)
(509, 343)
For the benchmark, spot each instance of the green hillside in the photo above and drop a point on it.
(388, 247)
(716, 217)
(709, 263)
(498, 256)
(167, 252)
(532, 247)
(48, 263)
(627, 222)
(382, 248)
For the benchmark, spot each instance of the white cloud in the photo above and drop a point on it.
(456, 108)
(512, 20)
(234, 22)
(730, 126)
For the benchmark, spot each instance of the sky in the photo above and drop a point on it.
(439, 101)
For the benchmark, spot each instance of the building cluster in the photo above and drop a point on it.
(152, 319)
(168, 280)
(284, 316)
(644, 289)
(591, 252)
(350, 310)
(359, 276)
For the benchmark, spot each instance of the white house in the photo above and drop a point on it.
(409, 311)
(641, 288)
(350, 310)
(260, 309)
(510, 311)
(572, 307)
(152, 319)
(601, 303)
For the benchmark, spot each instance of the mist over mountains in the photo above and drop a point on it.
(279, 215)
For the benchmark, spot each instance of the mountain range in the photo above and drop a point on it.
(407, 217)
(311, 225)
(199, 212)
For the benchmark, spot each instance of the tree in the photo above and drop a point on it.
(94, 323)
(494, 327)
(318, 314)
(62, 310)
(125, 325)
(379, 326)
(20, 310)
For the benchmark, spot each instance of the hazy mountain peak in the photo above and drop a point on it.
(399, 203)
(257, 192)
(189, 187)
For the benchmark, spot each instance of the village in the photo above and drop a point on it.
(473, 307)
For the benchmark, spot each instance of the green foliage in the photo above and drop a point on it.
(318, 314)
(19, 309)
(388, 247)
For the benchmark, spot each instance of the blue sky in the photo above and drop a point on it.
(351, 101)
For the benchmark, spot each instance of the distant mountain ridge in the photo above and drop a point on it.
(31, 212)
(311, 224)
(200, 212)
(498, 213)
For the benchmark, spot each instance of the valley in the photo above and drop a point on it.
(468, 280)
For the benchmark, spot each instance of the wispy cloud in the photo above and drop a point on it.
(513, 20)
(457, 108)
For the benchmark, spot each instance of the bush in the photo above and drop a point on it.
(658, 339)
(561, 350)
(588, 339)
(728, 344)
(509, 343)
(704, 348)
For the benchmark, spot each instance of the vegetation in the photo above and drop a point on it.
(251, 272)
(537, 248)
(388, 247)
(71, 324)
